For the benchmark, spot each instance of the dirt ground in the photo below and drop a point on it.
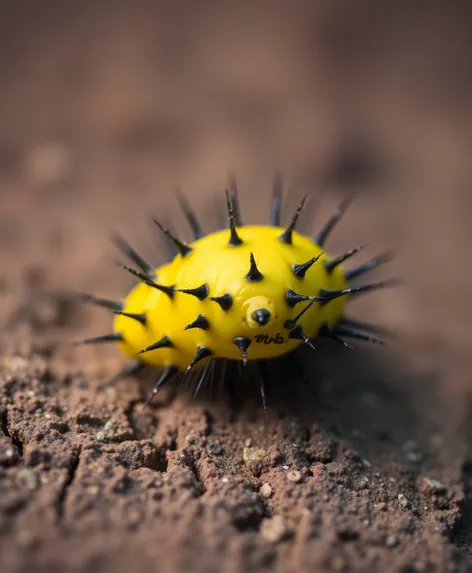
(104, 110)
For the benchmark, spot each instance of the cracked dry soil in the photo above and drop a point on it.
(355, 473)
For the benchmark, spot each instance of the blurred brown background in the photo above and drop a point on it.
(105, 106)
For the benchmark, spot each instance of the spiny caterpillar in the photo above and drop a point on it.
(246, 293)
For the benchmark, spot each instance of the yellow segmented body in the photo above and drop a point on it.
(223, 268)
(247, 293)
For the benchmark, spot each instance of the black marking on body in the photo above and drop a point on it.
(267, 339)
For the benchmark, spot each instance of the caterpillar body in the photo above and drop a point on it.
(247, 293)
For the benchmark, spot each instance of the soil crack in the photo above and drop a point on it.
(62, 498)
(14, 439)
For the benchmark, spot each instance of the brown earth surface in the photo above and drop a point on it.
(102, 112)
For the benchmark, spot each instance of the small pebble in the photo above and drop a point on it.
(9, 454)
(363, 483)
(265, 491)
(391, 541)
(403, 501)
(294, 475)
(274, 529)
(253, 454)
(110, 426)
(214, 448)
(433, 486)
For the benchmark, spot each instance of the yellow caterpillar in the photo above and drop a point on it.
(247, 293)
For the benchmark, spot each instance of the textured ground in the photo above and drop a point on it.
(371, 468)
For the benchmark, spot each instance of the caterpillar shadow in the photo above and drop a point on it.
(359, 395)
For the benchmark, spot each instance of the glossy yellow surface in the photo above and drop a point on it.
(224, 269)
